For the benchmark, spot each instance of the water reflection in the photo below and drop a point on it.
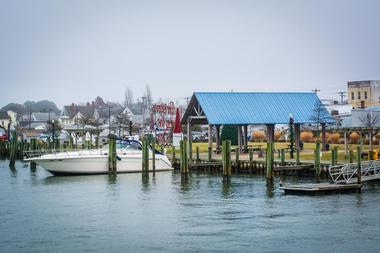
(112, 178)
(145, 184)
(226, 190)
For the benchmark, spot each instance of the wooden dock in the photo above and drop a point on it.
(321, 188)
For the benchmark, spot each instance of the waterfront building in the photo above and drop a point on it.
(4, 119)
(363, 93)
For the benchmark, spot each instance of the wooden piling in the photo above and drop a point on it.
(145, 156)
(209, 150)
(184, 160)
(154, 154)
(251, 159)
(282, 157)
(226, 159)
(317, 160)
(112, 155)
(269, 163)
(298, 156)
(359, 162)
(13, 150)
(33, 147)
(173, 155)
(333, 157)
(351, 156)
(237, 159)
(190, 150)
(197, 160)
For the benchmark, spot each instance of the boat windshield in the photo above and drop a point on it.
(129, 145)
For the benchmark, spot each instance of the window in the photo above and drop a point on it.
(359, 95)
(365, 95)
(353, 95)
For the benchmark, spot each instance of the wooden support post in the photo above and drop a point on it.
(226, 153)
(145, 156)
(324, 139)
(218, 145)
(33, 147)
(189, 154)
(269, 154)
(359, 162)
(245, 138)
(184, 160)
(237, 161)
(97, 141)
(197, 154)
(209, 136)
(282, 157)
(154, 154)
(112, 155)
(173, 155)
(345, 146)
(297, 139)
(317, 160)
(240, 136)
(351, 156)
(13, 150)
(336, 155)
(209, 152)
(251, 158)
(333, 157)
(190, 151)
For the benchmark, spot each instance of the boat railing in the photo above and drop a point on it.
(68, 152)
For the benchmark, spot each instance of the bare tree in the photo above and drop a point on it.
(369, 121)
(148, 94)
(128, 97)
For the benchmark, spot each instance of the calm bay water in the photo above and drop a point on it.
(43, 213)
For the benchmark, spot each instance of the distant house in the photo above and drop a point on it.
(37, 120)
(4, 119)
(78, 115)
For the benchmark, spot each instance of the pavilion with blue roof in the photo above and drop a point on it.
(255, 108)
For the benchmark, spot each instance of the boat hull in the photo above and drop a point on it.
(98, 165)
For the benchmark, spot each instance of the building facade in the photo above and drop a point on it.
(362, 94)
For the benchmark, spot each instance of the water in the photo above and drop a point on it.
(43, 213)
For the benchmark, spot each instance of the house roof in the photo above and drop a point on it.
(254, 108)
(86, 111)
(115, 110)
(4, 115)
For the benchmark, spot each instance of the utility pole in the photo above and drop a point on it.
(342, 95)
(187, 100)
(316, 90)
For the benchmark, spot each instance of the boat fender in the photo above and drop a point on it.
(118, 158)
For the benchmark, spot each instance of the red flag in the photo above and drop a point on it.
(177, 127)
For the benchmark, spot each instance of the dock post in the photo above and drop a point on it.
(359, 173)
(282, 157)
(237, 161)
(153, 154)
(184, 160)
(351, 156)
(190, 150)
(13, 150)
(226, 153)
(209, 150)
(345, 146)
(173, 156)
(251, 159)
(333, 157)
(145, 156)
(317, 160)
(269, 154)
(33, 147)
(112, 155)
(197, 154)
(336, 155)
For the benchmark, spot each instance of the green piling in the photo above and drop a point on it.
(173, 155)
(317, 160)
(13, 150)
(197, 154)
(153, 154)
(359, 164)
(282, 157)
(209, 152)
(33, 147)
(269, 163)
(351, 156)
(112, 155)
(145, 156)
(226, 157)
(237, 159)
(251, 158)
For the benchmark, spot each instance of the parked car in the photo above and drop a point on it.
(3, 135)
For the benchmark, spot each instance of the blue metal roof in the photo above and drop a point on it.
(233, 108)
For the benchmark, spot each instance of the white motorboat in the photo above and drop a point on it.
(87, 162)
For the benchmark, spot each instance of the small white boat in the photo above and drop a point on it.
(88, 162)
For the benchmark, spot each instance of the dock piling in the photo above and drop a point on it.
(33, 147)
(112, 155)
(317, 160)
(226, 154)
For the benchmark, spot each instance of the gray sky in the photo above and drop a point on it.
(73, 50)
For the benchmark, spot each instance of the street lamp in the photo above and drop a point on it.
(53, 133)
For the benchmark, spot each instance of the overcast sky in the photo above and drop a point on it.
(73, 50)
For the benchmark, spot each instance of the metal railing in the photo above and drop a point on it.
(348, 173)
